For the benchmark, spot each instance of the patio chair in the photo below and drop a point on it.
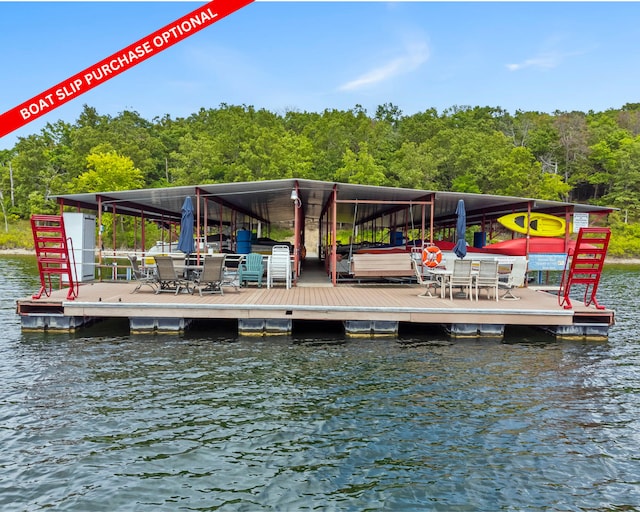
(427, 281)
(487, 278)
(461, 277)
(230, 270)
(210, 279)
(168, 278)
(279, 265)
(251, 269)
(142, 276)
(507, 280)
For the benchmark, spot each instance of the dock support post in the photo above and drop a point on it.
(594, 332)
(147, 325)
(59, 323)
(370, 328)
(264, 326)
(493, 331)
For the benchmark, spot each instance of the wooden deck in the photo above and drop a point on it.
(345, 302)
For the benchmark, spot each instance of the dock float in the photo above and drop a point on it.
(364, 310)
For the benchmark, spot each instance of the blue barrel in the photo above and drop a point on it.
(479, 239)
(396, 238)
(243, 237)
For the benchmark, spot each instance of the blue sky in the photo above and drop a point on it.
(310, 56)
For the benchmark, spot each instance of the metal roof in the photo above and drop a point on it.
(270, 202)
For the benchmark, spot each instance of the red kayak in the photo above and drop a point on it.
(517, 246)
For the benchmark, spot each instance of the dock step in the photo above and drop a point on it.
(52, 254)
(584, 266)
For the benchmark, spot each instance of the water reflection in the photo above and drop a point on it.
(102, 420)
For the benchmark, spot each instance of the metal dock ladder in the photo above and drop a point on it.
(52, 254)
(585, 266)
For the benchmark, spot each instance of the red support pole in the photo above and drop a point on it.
(334, 243)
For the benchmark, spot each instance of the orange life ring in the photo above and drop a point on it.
(431, 256)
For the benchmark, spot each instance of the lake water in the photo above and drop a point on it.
(105, 421)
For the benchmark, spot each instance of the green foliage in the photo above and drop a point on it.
(625, 238)
(520, 174)
(280, 232)
(592, 157)
(624, 192)
(19, 236)
(360, 168)
(37, 204)
(414, 166)
(108, 171)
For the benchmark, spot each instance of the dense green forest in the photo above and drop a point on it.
(591, 157)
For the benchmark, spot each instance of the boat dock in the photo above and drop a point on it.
(365, 309)
(368, 285)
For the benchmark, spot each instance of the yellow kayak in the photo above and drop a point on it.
(540, 224)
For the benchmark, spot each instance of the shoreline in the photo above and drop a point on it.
(622, 261)
(607, 261)
(18, 252)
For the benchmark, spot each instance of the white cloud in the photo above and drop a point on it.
(416, 55)
(542, 61)
(550, 55)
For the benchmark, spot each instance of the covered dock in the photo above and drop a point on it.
(373, 305)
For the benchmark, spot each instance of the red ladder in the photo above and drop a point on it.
(52, 253)
(587, 261)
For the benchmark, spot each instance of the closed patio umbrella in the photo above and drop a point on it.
(461, 227)
(185, 242)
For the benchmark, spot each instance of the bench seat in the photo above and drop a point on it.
(382, 265)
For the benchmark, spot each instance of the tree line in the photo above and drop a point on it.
(591, 157)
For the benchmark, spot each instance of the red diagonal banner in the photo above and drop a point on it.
(115, 64)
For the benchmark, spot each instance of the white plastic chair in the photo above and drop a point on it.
(279, 265)
(461, 277)
(487, 278)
